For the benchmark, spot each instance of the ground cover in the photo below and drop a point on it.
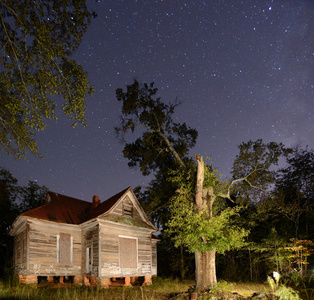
(162, 288)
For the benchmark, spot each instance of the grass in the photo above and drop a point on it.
(162, 288)
(246, 289)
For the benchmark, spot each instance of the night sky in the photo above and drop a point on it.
(242, 70)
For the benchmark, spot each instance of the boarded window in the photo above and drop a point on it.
(65, 248)
(128, 210)
(128, 252)
(127, 207)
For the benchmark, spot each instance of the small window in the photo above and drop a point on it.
(128, 210)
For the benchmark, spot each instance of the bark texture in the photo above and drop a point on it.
(205, 262)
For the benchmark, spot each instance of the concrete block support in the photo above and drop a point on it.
(86, 281)
(105, 283)
(78, 279)
(27, 279)
(148, 280)
(127, 281)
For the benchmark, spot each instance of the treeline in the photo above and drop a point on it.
(14, 199)
(280, 224)
(257, 222)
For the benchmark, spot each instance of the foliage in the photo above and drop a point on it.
(9, 210)
(256, 163)
(272, 249)
(161, 145)
(162, 288)
(295, 191)
(200, 233)
(197, 230)
(31, 196)
(14, 199)
(37, 40)
(298, 252)
(163, 141)
(287, 293)
(283, 292)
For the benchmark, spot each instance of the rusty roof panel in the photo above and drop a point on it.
(70, 210)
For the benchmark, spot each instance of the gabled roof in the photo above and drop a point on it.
(105, 206)
(64, 209)
(61, 208)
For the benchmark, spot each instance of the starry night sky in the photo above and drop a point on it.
(242, 70)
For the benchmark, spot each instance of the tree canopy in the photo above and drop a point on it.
(163, 142)
(37, 40)
(14, 199)
(198, 216)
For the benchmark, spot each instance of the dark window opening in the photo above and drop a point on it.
(128, 210)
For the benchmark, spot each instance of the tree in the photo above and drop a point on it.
(202, 224)
(31, 196)
(14, 199)
(164, 144)
(295, 191)
(256, 163)
(9, 211)
(37, 40)
(163, 141)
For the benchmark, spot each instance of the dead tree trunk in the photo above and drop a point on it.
(205, 262)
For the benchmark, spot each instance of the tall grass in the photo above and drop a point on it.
(161, 289)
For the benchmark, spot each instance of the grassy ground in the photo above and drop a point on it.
(162, 288)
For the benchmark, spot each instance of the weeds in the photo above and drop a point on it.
(162, 289)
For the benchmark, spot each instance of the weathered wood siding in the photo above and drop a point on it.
(20, 251)
(154, 257)
(110, 250)
(126, 206)
(43, 247)
(90, 237)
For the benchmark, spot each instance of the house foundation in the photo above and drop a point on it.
(105, 283)
(127, 281)
(27, 279)
(147, 280)
(78, 279)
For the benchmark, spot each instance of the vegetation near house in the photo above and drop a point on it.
(200, 212)
(92, 242)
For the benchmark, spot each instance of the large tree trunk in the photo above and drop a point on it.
(205, 269)
(205, 262)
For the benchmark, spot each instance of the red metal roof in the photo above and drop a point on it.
(64, 209)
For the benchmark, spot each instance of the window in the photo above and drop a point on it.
(64, 248)
(89, 255)
(128, 252)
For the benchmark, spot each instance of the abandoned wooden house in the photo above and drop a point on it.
(92, 243)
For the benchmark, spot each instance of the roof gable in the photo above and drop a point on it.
(128, 202)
